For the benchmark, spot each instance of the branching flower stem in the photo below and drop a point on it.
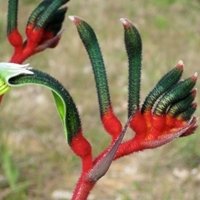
(166, 113)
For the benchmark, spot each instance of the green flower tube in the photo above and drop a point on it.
(13, 75)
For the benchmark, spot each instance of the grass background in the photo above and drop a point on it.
(32, 133)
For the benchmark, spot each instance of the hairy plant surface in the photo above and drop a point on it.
(165, 114)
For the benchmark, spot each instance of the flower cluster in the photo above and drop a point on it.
(43, 29)
(167, 111)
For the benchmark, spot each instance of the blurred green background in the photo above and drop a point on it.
(35, 161)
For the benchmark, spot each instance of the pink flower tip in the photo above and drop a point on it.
(126, 22)
(195, 76)
(180, 65)
(194, 92)
(75, 19)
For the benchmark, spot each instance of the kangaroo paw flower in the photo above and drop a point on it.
(43, 28)
(133, 44)
(13, 75)
(167, 111)
(110, 121)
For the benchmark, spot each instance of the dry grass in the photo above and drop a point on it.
(170, 31)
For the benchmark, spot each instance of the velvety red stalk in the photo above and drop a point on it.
(158, 126)
(83, 188)
(138, 124)
(111, 123)
(16, 40)
(82, 148)
(23, 51)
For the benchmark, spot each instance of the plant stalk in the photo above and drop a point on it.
(83, 187)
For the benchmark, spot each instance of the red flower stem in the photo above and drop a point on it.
(83, 187)
(128, 148)
(20, 56)
(82, 148)
(111, 123)
(16, 40)
(23, 51)
(125, 148)
(86, 163)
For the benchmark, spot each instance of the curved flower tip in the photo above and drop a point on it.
(195, 76)
(10, 70)
(180, 64)
(126, 22)
(75, 19)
